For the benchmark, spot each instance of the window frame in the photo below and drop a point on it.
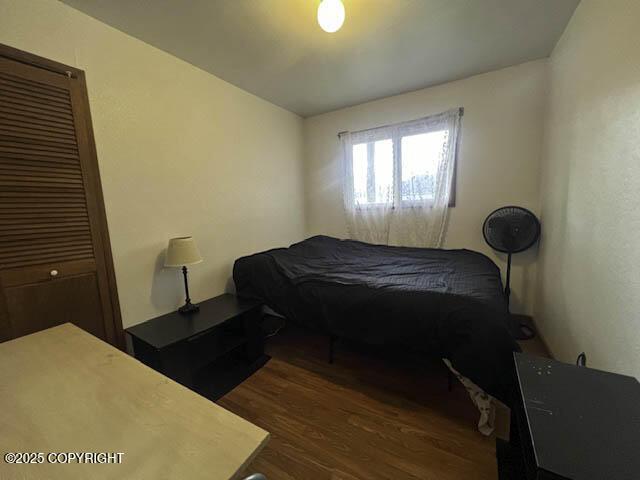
(395, 136)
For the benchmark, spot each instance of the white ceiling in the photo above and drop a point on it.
(276, 50)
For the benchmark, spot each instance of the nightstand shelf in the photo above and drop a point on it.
(210, 351)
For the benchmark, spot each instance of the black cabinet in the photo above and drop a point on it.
(571, 423)
(210, 351)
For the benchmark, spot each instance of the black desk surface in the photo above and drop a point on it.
(174, 327)
(584, 423)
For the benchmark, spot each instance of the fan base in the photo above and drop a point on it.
(522, 327)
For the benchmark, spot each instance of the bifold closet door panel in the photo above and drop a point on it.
(38, 306)
(52, 256)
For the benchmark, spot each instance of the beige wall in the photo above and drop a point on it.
(180, 152)
(498, 162)
(589, 280)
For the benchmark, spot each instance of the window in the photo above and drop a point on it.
(373, 172)
(419, 160)
(400, 165)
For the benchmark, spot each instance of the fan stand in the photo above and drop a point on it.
(507, 288)
(510, 230)
(521, 324)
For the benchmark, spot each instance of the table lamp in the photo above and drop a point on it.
(182, 251)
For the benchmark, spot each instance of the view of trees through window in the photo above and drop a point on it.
(414, 165)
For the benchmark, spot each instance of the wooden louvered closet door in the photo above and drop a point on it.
(55, 261)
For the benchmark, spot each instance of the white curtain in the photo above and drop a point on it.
(398, 180)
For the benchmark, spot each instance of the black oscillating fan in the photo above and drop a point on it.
(511, 230)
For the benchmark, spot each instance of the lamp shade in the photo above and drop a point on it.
(182, 251)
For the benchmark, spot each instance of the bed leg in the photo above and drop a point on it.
(332, 341)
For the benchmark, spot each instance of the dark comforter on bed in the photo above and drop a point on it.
(445, 302)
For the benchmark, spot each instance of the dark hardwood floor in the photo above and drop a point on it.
(370, 415)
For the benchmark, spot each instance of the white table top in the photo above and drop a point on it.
(63, 390)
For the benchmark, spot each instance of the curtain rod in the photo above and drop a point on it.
(460, 110)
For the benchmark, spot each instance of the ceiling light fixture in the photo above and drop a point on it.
(331, 15)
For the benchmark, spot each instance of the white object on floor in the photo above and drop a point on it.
(481, 399)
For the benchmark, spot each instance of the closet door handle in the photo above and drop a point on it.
(53, 273)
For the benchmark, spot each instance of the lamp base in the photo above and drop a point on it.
(188, 308)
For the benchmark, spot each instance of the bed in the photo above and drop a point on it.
(446, 303)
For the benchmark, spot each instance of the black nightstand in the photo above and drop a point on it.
(210, 351)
